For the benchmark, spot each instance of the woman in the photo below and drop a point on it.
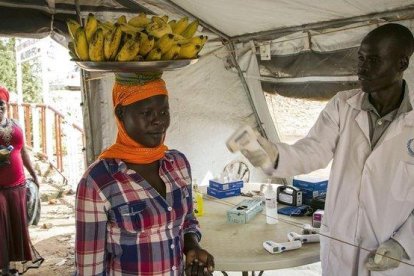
(14, 233)
(134, 213)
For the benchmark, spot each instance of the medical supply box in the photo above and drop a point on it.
(317, 218)
(223, 194)
(310, 188)
(244, 211)
(216, 184)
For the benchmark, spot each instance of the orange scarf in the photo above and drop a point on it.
(125, 148)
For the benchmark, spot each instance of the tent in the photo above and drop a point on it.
(302, 49)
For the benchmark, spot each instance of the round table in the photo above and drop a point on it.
(238, 247)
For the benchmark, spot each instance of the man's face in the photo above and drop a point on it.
(3, 107)
(379, 65)
(147, 121)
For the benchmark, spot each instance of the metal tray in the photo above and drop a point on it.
(135, 66)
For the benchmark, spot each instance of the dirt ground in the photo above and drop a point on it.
(54, 238)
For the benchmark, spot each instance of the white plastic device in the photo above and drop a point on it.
(245, 139)
(293, 236)
(279, 247)
(309, 229)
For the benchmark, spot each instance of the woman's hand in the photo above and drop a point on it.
(199, 263)
(35, 180)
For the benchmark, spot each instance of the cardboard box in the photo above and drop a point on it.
(310, 188)
(245, 211)
(215, 184)
(223, 194)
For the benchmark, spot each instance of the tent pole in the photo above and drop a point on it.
(246, 87)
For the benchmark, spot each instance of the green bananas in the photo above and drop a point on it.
(141, 38)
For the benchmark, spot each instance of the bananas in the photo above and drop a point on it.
(91, 26)
(141, 38)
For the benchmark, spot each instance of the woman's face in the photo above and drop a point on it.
(146, 121)
(3, 108)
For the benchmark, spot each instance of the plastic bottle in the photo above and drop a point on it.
(197, 200)
(271, 204)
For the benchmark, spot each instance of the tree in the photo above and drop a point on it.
(30, 72)
(8, 64)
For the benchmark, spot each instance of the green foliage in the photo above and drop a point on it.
(8, 64)
(32, 86)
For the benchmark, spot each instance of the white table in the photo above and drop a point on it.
(238, 247)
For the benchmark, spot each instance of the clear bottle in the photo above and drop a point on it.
(197, 200)
(271, 204)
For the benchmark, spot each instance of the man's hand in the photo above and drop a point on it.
(199, 262)
(258, 158)
(379, 260)
(35, 180)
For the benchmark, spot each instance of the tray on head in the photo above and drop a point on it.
(135, 66)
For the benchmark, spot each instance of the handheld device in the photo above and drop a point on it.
(309, 229)
(276, 247)
(309, 238)
(245, 139)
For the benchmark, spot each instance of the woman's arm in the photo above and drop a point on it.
(28, 165)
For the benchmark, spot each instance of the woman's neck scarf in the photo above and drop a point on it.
(125, 92)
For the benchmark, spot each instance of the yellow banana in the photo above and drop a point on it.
(72, 27)
(111, 43)
(165, 18)
(191, 29)
(172, 24)
(158, 27)
(72, 52)
(90, 26)
(129, 29)
(129, 51)
(165, 42)
(121, 19)
(146, 44)
(96, 46)
(154, 54)
(81, 44)
(189, 50)
(172, 53)
(105, 26)
(139, 21)
(180, 26)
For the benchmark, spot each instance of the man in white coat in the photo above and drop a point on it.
(369, 134)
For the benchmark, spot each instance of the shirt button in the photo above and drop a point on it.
(174, 268)
(172, 246)
(170, 226)
(169, 208)
(379, 122)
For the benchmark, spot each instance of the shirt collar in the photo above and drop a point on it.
(405, 105)
(117, 165)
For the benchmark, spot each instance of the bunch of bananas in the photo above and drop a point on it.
(142, 38)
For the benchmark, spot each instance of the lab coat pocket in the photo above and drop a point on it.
(402, 188)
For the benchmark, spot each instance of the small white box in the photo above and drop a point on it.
(317, 218)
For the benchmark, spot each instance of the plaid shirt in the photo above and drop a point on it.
(123, 225)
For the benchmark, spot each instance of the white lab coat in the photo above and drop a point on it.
(370, 195)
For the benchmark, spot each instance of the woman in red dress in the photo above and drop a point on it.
(14, 233)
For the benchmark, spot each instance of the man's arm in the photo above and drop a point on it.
(91, 220)
(28, 165)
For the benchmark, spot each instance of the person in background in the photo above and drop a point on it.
(369, 134)
(134, 212)
(14, 234)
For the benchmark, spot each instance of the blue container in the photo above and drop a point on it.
(226, 186)
(223, 194)
(311, 189)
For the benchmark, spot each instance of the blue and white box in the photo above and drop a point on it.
(216, 184)
(310, 188)
(223, 194)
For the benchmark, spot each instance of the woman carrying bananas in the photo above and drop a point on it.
(134, 212)
(15, 248)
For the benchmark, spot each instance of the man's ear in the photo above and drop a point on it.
(404, 62)
(119, 112)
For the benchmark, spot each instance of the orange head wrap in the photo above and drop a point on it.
(125, 147)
